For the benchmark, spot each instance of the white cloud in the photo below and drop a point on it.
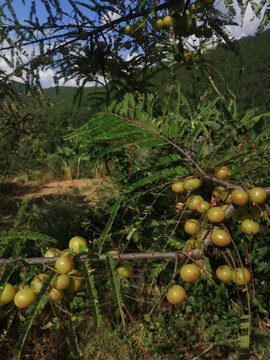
(246, 26)
(110, 16)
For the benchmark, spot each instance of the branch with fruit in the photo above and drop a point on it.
(215, 215)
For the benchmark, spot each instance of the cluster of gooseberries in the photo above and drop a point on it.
(182, 20)
(68, 279)
(220, 236)
(191, 272)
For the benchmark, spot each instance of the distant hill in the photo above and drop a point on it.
(247, 76)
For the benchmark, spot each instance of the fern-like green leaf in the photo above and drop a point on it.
(92, 292)
(116, 287)
(21, 212)
(71, 334)
(165, 173)
(30, 318)
(108, 226)
(26, 235)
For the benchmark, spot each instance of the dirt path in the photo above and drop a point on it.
(87, 187)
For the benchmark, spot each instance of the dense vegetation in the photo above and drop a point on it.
(246, 76)
(186, 217)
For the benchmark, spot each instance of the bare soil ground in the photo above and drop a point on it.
(86, 187)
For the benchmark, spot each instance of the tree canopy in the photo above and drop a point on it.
(104, 40)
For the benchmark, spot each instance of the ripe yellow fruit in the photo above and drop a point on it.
(178, 187)
(56, 295)
(192, 184)
(220, 237)
(125, 269)
(224, 273)
(159, 24)
(190, 272)
(222, 173)
(239, 197)
(76, 281)
(257, 195)
(38, 281)
(191, 226)
(216, 214)
(202, 207)
(167, 21)
(52, 253)
(176, 294)
(194, 201)
(7, 294)
(241, 276)
(61, 282)
(64, 264)
(128, 29)
(78, 244)
(24, 297)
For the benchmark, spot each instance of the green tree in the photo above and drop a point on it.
(19, 125)
(115, 43)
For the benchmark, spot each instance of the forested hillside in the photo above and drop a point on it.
(246, 73)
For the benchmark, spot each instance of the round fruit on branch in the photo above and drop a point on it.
(241, 276)
(224, 273)
(7, 294)
(222, 173)
(220, 237)
(78, 244)
(158, 24)
(239, 197)
(178, 187)
(176, 294)
(64, 264)
(216, 214)
(76, 281)
(191, 226)
(192, 184)
(167, 21)
(257, 195)
(128, 29)
(190, 272)
(61, 282)
(56, 295)
(193, 202)
(202, 207)
(24, 297)
(37, 282)
(125, 269)
(250, 227)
